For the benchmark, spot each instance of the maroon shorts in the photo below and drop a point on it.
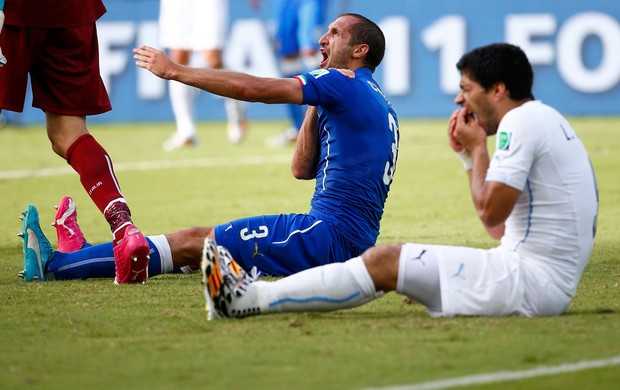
(64, 70)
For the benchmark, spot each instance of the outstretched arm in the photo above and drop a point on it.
(236, 85)
(493, 201)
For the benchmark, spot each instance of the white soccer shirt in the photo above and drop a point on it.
(553, 223)
(193, 24)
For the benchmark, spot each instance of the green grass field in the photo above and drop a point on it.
(93, 334)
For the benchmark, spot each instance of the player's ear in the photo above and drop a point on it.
(499, 90)
(360, 50)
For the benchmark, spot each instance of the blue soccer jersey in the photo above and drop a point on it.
(359, 137)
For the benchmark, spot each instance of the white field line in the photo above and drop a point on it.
(508, 375)
(153, 165)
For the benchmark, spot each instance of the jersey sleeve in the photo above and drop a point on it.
(326, 87)
(515, 151)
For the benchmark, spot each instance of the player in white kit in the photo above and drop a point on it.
(537, 194)
(187, 26)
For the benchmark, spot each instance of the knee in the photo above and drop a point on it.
(382, 264)
(195, 237)
(59, 144)
(59, 150)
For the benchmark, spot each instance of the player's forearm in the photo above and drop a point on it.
(306, 154)
(239, 86)
(478, 185)
(493, 200)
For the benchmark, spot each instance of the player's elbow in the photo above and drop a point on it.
(496, 232)
(491, 223)
(302, 169)
(490, 218)
(302, 173)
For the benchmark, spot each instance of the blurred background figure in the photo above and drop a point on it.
(187, 26)
(298, 26)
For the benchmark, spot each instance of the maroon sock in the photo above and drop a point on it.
(94, 166)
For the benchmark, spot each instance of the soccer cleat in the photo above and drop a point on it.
(37, 249)
(224, 281)
(70, 236)
(287, 138)
(176, 143)
(131, 257)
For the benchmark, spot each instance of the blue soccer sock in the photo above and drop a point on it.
(97, 261)
(297, 114)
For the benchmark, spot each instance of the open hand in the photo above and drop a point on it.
(155, 61)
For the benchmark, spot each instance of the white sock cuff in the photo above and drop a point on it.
(359, 271)
(165, 255)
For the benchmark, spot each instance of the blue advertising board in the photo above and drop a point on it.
(574, 47)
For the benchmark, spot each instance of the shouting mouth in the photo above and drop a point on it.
(323, 63)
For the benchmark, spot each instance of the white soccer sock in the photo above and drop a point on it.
(235, 112)
(165, 254)
(329, 287)
(182, 99)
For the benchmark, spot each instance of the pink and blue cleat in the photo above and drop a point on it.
(37, 249)
(70, 236)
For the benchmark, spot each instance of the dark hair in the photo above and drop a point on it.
(366, 31)
(499, 62)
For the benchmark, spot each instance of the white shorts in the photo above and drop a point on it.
(195, 25)
(489, 282)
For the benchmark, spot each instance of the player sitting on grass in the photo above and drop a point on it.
(348, 144)
(537, 194)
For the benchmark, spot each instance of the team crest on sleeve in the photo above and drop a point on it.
(503, 140)
(319, 72)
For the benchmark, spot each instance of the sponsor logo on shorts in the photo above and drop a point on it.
(459, 271)
(256, 252)
(419, 257)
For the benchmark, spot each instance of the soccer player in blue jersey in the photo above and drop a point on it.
(348, 143)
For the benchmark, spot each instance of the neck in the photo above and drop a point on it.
(511, 104)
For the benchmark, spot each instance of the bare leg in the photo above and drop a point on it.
(63, 131)
(235, 110)
(382, 265)
(186, 246)
(182, 99)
